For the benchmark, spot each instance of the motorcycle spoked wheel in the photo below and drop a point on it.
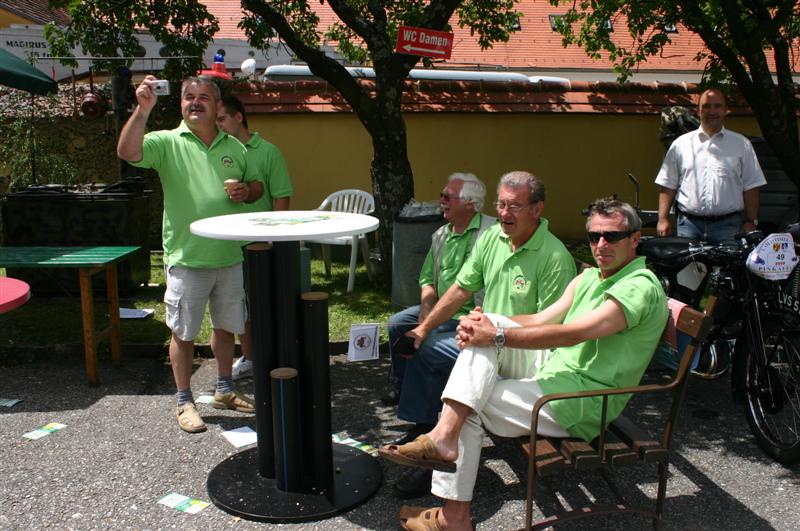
(772, 395)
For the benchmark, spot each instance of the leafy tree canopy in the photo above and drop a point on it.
(739, 36)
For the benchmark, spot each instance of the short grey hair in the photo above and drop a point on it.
(473, 191)
(608, 206)
(519, 179)
(201, 80)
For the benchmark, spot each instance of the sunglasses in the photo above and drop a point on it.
(612, 236)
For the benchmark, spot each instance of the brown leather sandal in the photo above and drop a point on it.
(419, 518)
(420, 453)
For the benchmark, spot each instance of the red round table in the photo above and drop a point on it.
(13, 293)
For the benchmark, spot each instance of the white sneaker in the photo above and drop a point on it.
(242, 368)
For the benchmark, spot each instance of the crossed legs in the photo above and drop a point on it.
(476, 399)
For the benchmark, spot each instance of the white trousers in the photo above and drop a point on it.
(501, 405)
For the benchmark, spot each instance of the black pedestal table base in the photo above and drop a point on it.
(236, 487)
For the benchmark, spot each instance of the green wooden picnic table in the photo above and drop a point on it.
(88, 261)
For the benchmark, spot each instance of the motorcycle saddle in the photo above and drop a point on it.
(664, 248)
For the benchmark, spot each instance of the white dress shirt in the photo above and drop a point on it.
(710, 173)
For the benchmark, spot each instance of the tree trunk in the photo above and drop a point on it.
(392, 178)
(393, 186)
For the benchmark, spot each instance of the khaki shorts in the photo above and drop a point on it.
(188, 291)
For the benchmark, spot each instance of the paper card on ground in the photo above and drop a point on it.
(342, 438)
(241, 436)
(41, 431)
(9, 402)
(182, 503)
(204, 399)
(135, 313)
(363, 342)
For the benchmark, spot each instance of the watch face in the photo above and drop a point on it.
(500, 338)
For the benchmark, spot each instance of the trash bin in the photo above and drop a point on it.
(411, 240)
(54, 215)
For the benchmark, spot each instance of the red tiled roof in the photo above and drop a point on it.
(535, 47)
(36, 11)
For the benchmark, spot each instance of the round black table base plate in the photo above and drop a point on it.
(236, 487)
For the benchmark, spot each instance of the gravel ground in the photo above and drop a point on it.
(121, 451)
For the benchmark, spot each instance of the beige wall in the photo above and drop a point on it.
(578, 156)
(7, 18)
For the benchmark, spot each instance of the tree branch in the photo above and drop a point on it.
(695, 20)
(319, 63)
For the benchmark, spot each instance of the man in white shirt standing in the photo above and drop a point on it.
(713, 176)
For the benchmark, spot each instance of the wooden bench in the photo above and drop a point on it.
(88, 261)
(621, 443)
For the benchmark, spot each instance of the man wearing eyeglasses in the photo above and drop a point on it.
(602, 332)
(522, 267)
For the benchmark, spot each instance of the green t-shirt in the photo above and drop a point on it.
(455, 251)
(524, 281)
(191, 176)
(266, 162)
(615, 361)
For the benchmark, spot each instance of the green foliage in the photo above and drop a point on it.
(20, 143)
(735, 27)
(108, 28)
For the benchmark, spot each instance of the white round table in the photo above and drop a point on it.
(296, 473)
(284, 226)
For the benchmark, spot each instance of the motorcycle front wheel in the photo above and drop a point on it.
(772, 393)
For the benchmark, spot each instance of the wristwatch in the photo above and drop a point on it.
(499, 338)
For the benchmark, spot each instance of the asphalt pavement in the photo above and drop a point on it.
(121, 451)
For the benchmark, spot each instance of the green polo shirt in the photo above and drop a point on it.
(191, 176)
(455, 251)
(266, 161)
(610, 362)
(524, 281)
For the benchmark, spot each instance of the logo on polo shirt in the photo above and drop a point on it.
(227, 161)
(520, 283)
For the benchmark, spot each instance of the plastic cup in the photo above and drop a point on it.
(230, 184)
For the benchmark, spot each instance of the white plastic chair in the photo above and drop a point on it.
(353, 201)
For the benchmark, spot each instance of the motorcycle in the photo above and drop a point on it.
(756, 333)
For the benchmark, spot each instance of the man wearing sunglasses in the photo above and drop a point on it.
(600, 334)
(522, 267)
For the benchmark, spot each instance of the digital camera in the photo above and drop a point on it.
(161, 87)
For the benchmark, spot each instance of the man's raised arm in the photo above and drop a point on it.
(129, 147)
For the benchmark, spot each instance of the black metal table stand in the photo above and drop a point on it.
(296, 473)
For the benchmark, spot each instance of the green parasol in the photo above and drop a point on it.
(19, 74)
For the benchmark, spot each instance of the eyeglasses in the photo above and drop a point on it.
(511, 207)
(612, 236)
(448, 197)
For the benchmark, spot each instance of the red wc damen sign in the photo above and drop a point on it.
(423, 41)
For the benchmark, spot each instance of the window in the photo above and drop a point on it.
(607, 25)
(554, 21)
(670, 27)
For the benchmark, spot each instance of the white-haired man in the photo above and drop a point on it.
(461, 201)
